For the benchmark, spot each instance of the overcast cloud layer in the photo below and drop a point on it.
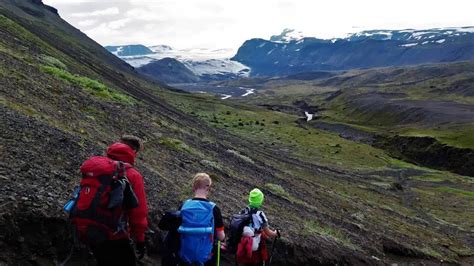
(228, 23)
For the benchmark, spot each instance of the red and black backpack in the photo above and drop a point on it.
(105, 192)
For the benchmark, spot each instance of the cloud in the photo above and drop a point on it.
(222, 24)
(118, 24)
(98, 13)
(87, 22)
(142, 14)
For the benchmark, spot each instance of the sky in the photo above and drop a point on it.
(218, 24)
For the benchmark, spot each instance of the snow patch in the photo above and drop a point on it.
(225, 96)
(425, 42)
(137, 61)
(309, 116)
(441, 41)
(118, 51)
(247, 91)
(216, 66)
(409, 44)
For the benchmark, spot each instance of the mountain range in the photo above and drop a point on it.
(291, 52)
(282, 55)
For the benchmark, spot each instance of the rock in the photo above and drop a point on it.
(358, 216)
(397, 186)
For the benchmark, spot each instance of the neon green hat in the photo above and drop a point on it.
(256, 198)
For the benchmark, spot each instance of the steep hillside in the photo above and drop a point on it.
(63, 98)
(362, 50)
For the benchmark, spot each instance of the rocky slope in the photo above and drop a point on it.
(64, 98)
(361, 50)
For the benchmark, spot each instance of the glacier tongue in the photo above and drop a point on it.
(200, 61)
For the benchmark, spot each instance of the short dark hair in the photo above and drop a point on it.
(134, 142)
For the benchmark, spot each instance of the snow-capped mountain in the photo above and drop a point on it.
(129, 50)
(206, 64)
(287, 36)
(283, 55)
(410, 34)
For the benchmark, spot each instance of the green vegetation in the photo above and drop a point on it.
(19, 107)
(92, 86)
(21, 50)
(461, 136)
(175, 144)
(456, 191)
(314, 227)
(438, 176)
(277, 189)
(243, 157)
(212, 164)
(53, 62)
(306, 143)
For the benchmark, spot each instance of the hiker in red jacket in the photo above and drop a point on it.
(119, 250)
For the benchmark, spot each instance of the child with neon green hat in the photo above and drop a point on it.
(259, 226)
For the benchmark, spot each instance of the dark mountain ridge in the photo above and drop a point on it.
(168, 70)
(364, 50)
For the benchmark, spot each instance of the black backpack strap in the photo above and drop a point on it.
(245, 210)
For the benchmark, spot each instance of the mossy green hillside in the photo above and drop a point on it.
(94, 87)
(282, 130)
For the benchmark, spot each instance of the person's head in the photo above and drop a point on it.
(202, 183)
(256, 198)
(133, 142)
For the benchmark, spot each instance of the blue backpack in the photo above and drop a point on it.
(196, 231)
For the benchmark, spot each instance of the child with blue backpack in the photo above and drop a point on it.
(201, 226)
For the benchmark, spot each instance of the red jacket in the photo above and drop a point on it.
(137, 217)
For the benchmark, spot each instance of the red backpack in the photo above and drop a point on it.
(98, 213)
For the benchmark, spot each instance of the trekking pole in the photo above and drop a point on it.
(218, 253)
(271, 252)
